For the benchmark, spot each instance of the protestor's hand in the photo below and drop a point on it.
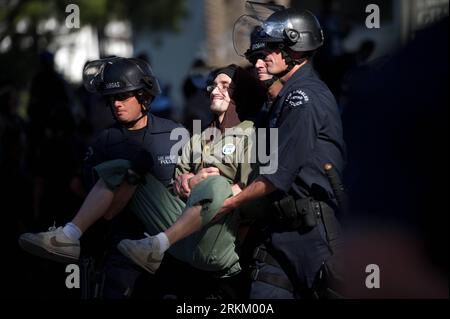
(203, 174)
(181, 186)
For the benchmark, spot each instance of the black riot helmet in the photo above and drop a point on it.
(296, 33)
(120, 75)
(116, 76)
(299, 30)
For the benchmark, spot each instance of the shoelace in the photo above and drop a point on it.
(145, 241)
(148, 243)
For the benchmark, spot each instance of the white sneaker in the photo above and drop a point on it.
(53, 245)
(143, 252)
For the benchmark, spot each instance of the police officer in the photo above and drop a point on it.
(129, 87)
(124, 81)
(301, 231)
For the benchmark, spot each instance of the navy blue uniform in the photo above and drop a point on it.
(309, 135)
(117, 142)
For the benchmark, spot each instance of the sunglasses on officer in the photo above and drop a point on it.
(120, 96)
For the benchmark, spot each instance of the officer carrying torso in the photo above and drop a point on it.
(140, 137)
(300, 231)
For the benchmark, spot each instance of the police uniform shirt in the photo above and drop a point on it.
(117, 142)
(309, 135)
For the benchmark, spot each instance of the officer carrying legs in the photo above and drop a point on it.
(129, 87)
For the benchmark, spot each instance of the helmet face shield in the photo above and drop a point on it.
(248, 32)
(93, 74)
(119, 75)
(244, 35)
(298, 30)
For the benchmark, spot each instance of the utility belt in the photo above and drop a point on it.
(302, 213)
(295, 215)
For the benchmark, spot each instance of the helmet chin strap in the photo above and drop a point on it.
(133, 123)
(268, 83)
(128, 125)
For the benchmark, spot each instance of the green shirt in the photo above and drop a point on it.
(231, 152)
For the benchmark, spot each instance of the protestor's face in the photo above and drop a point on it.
(126, 107)
(220, 95)
(275, 62)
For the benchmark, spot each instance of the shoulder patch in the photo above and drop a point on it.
(167, 159)
(297, 98)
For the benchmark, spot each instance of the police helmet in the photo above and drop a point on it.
(297, 29)
(120, 75)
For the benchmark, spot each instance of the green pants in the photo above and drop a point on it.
(213, 247)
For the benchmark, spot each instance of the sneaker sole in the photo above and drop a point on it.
(39, 251)
(127, 253)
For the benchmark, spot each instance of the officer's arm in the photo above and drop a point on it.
(259, 188)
